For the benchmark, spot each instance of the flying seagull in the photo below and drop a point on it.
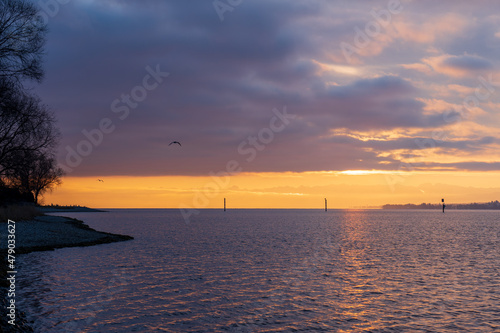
(100, 180)
(176, 142)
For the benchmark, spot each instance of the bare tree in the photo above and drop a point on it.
(36, 173)
(46, 176)
(22, 38)
(25, 125)
(28, 136)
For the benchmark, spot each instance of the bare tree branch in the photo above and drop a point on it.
(22, 38)
(28, 135)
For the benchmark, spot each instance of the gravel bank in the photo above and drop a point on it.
(45, 233)
(52, 232)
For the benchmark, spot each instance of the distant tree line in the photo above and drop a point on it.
(475, 205)
(28, 133)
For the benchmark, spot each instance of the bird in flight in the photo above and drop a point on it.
(100, 180)
(176, 142)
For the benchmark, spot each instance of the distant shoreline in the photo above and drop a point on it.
(68, 209)
(492, 205)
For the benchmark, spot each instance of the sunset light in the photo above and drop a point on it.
(250, 166)
(364, 90)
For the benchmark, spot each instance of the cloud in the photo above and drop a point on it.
(467, 63)
(454, 66)
(463, 65)
(469, 166)
(422, 29)
(415, 143)
(226, 78)
(380, 103)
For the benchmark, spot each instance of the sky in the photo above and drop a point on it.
(277, 104)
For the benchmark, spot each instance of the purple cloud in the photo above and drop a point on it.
(226, 78)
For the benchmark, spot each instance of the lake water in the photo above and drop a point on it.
(272, 271)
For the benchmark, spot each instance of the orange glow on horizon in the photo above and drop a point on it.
(344, 189)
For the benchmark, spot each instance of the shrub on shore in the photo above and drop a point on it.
(56, 206)
(18, 213)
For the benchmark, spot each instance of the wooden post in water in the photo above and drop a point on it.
(326, 205)
(224, 204)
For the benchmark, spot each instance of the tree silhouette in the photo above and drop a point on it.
(22, 38)
(37, 173)
(25, 125)
(28, 136)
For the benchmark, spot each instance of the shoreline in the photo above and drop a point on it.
(46, 233)
(76, 209)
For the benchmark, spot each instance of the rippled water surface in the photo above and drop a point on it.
(272, 271)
